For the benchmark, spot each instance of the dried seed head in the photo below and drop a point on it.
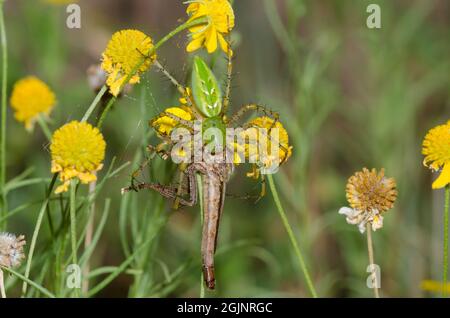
(369, 190)
(11, 250)
(369, 194)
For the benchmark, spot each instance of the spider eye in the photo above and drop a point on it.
(205, 89)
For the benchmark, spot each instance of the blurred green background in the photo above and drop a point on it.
(349, 96)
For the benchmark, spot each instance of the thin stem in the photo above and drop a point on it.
(106, 111)
(445, 266)
(88, 238)
(43, 124)
(73, 224)
(2, 285)
(94, 103)
(291, 235)
(371, 259)
(27, 280)
(4, 88)
(36, 233)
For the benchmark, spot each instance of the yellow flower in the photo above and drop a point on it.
(370, 194)
(220, 17)
(30, 98)
(435, 286)
(77, 150)
(164, 125)
(258, 138)
(436, 149)
(123, 55)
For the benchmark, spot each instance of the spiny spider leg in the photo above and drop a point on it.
(226, 100)
(252, 107)
(184, 122)
(249, 196)
(152, 150)
(181, 89)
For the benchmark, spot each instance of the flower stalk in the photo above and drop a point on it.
(4, 87)
(291, 235)
(371, 260)
(445, 254)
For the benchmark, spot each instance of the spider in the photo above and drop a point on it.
(203, 103)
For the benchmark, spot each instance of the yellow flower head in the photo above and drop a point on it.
(220, 16)
(164, 125)
(370, 194)
(257, 137)
(30, 98)
(436, 149)
(77, 150)
(124, 53)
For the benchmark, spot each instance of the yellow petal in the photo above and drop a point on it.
(223, 44)
(443, 179)
(63, 188)
(195, 44)
(211, 40)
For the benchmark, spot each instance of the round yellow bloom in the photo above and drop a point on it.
(30, 98)
(436, 149)
(257, 137)
(123, 55)
(164, 125)
(220, 17)
(77, 150)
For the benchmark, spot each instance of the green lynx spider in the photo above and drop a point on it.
(208, 106)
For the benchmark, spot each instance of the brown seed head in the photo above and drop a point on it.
(369, 190)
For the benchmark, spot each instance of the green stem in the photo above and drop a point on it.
(372, 259)
(445, 267)
(36, 233)
(28, 281)
(43, 124)
(170, 35)
(291, 235)
(94, 103)
(73, 224)
(4, 88)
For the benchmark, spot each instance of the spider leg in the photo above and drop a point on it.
(226, 100)
(252, 107)
(159, 150)
(184, 122)
(181, 89)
